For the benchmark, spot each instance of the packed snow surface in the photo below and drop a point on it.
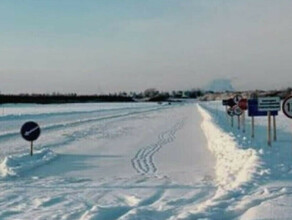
(142, 161)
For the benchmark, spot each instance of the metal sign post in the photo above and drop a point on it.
(238, 122)
(230, 112)
(243, 121)
(30, 131)
(252, 127)
(243, 104)
(31, 148)
(274, 128)
(269, 129)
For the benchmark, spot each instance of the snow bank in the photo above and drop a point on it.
(17, 164)
(239, 170)
(234, 166)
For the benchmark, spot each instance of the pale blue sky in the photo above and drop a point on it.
(103, 45)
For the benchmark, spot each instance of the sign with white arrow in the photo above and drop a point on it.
(30, 131)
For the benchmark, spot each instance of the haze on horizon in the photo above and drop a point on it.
(106, 46)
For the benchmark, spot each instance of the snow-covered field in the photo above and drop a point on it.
(142, 161)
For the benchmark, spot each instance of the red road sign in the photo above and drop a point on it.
(243, 104)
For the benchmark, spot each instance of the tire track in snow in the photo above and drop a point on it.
(143, 161)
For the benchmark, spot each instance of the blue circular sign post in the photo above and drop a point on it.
(30, 131)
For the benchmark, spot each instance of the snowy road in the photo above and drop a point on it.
(111, 161)
(142, 161)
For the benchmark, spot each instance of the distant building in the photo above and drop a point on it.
(220, 85)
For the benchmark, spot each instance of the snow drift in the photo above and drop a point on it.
(238, 169)
(234, 166)
(17, 164)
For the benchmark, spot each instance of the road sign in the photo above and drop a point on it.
(237, 98)
(237, 111)
(269, 104)
(228, 102)
(287, 107)
(30, 131)
(243, 104)
(225, 102)
(253, 109)
(266, 106)
(230, 112)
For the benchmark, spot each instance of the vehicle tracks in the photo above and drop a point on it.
(143, 161)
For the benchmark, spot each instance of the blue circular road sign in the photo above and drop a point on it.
(30, 131)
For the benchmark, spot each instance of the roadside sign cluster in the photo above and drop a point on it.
(258, 107)
(235, 107)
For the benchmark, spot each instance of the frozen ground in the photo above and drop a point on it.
(142, 161)
(104, 161)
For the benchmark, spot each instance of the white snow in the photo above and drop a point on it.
(142, 161)
(17, 164)
(267, 194)
(234, 166)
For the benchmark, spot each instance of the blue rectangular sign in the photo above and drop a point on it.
(253, 109)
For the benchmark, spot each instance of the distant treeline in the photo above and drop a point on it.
(211, 96)
(56, 99)
(150, 95)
